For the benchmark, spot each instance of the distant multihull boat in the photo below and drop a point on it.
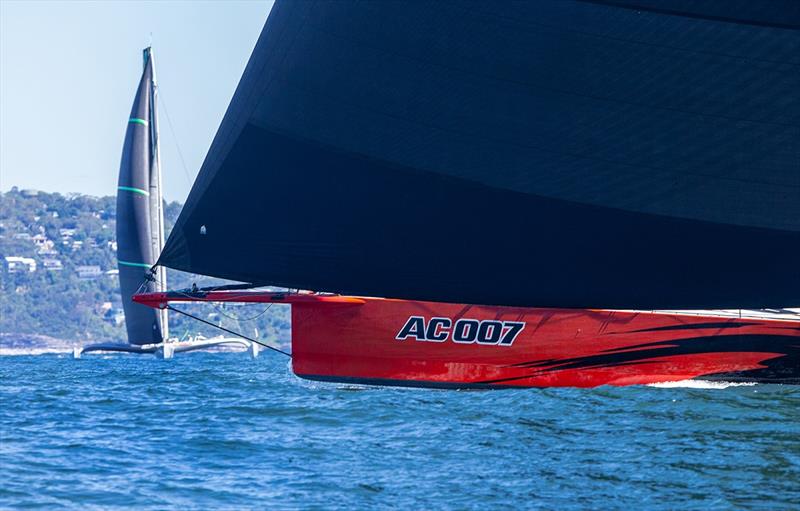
(521, 156)
(140, 222)
(140, 232)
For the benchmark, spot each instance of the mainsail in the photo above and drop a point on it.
(139, 212)
(615, 154)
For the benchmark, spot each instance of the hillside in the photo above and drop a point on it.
(58, 278)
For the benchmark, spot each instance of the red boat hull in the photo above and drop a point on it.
(555, 347)
(410, 343)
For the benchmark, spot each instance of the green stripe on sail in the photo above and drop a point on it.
(136, 120)
(137, 265)
(134, 190)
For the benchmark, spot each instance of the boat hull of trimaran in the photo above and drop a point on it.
(429, 344)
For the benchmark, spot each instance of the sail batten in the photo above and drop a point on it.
(628, 154)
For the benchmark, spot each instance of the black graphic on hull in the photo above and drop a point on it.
(782, 368)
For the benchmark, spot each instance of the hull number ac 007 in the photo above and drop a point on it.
(462, 331)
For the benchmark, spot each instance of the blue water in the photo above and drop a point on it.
(207, 431)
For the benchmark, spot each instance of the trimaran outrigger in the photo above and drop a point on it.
(515, 178)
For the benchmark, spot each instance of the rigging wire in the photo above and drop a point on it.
(175, 138)
(150, 277)
(170, 307)
(212, 303)
(235, 318)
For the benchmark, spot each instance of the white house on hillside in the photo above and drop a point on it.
(17, 264)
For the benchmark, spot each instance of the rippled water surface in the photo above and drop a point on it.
(223, 431)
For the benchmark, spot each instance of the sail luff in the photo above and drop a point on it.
(156, 194)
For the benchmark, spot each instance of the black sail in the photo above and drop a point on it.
(136, 249)
(616, 154)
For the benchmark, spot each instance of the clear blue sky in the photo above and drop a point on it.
(69, 70)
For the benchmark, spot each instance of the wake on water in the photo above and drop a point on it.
(700, 384)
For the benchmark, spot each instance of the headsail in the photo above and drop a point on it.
(139, 212)
(534, 154)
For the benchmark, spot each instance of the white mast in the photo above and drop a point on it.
(156, 198)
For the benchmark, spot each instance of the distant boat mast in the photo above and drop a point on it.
(156, 195)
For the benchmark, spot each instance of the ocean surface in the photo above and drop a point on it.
(222, 431)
